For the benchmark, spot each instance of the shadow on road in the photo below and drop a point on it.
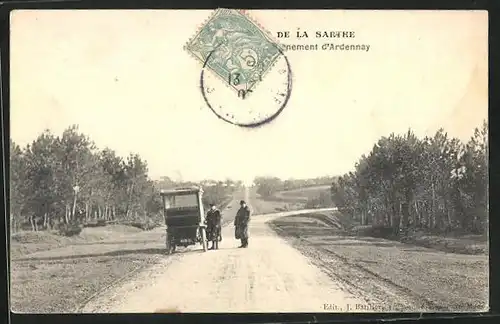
(119, 242)
(158, 251)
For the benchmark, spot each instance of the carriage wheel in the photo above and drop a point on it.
(204, 241)
(169, 244)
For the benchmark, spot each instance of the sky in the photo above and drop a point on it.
(126, 80)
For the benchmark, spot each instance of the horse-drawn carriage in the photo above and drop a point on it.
(184, 218)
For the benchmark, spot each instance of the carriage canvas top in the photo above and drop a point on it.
(184, 217)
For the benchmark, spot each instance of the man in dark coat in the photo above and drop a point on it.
(214, 220)
(241, 224)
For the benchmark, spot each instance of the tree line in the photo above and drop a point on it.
(268, 186)
(62, 181)
(405, 183)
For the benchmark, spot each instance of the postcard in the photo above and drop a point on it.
(248, 161)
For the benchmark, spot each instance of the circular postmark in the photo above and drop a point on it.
(250, 96)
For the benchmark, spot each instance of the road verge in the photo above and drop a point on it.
(405, 277)
(64, 278)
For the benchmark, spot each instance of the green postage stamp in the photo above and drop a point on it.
(235, 48)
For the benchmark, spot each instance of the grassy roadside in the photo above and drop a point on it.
(275, 205)
(288, 200)
(62, 273)
(304, 194)
(24, 243)
(400, 274)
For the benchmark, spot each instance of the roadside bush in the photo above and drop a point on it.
(312, 203)
(377, 231)
(99, 223)
(145, 226)
(70, 230)
(148, 226)
(136, 225)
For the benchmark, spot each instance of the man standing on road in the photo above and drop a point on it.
(214, 220)
(241, 224)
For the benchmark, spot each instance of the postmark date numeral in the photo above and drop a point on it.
(234, 79)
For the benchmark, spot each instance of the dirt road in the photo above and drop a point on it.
(269, 276)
